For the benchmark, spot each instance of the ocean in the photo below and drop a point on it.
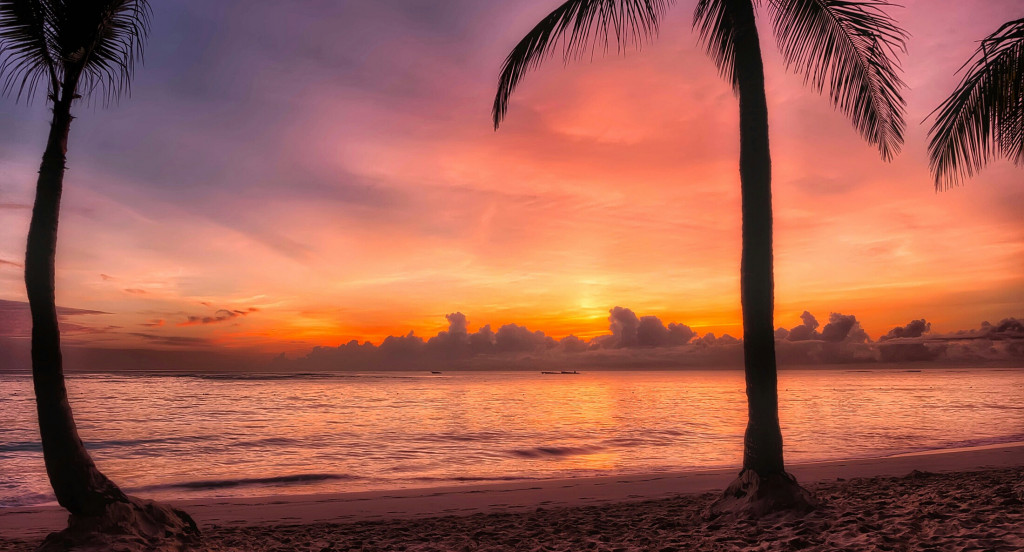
(167, 436)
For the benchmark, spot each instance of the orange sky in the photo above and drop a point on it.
(337, 177)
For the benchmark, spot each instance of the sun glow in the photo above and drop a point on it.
(349, 214)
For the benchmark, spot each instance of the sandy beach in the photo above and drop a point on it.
(969, 499)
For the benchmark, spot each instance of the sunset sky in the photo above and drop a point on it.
(285, 176)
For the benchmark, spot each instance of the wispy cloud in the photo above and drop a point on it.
(173, 340)
(16, 319)
(221, 315)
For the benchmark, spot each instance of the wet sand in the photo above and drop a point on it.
(950, 500)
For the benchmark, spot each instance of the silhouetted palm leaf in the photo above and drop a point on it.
(850, 46)
(26, 47)
(984, 116)
(715, 28)
(91, 45)
(583, 24)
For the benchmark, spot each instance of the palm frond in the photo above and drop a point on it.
(103, 39)
(715, 28)
(26, 48)
(984, 116)
(852, 46)
(580, 26)
(87, 45)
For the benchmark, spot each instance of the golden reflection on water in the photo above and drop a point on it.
(407, 430)
(597, 461)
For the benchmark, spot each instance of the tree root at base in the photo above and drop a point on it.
(753, 496)
(131, 526)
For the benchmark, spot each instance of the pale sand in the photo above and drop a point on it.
(974, 500)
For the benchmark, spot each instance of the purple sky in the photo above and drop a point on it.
(327, 171)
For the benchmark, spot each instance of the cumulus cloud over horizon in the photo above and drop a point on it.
(915, 328)
(632, 341)
(512, 345)
(635, 341)
(632, 331)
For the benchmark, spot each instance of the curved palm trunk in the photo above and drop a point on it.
(762, 444)
(78, 484)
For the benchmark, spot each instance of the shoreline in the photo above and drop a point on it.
(34, 523)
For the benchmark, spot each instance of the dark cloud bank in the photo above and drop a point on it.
(632, 342)
(646, 342)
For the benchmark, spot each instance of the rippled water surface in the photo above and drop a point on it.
(216, 435)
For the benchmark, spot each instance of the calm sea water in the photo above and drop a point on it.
(194, 435)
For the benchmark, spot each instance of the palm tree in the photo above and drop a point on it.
(848, 45)
(984, 117)
(75, 48)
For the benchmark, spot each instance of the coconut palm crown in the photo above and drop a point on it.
(846, 47)
(76, 47)
(984, 117)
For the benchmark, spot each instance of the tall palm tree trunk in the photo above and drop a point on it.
(78, 484)
(763, 486)
(762, 444)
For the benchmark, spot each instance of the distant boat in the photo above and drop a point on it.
(562, 372)
(434, 372)
(550, 372)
